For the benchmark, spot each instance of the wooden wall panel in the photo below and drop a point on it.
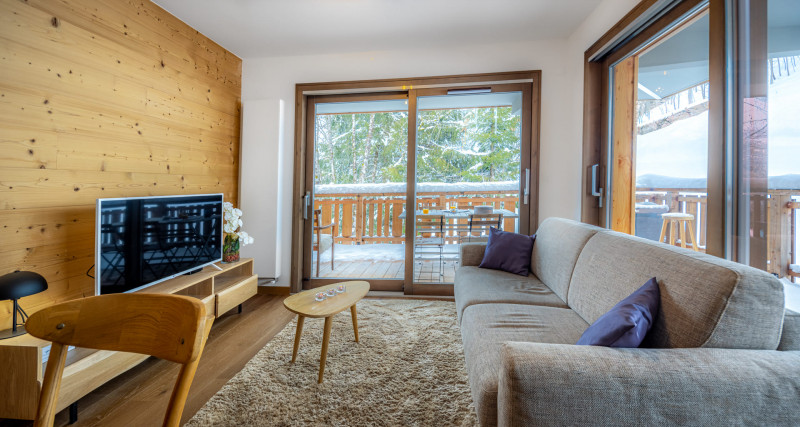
(103, 99)
(623, 174)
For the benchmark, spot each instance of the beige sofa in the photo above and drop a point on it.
(711, 356)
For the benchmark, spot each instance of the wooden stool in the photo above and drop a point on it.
(682, 221)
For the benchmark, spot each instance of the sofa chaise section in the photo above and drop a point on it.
(486, 327)
(715, 335)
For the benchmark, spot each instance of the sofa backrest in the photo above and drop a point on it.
(558, 243)
(705, 301)
(790, 338)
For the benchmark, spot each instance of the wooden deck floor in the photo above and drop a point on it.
(426, 271)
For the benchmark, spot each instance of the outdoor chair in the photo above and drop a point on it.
(480, 224)
(318, 245)
(170, 327)
(429, 238)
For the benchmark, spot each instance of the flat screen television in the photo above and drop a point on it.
(145, 240)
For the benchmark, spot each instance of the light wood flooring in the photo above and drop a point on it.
(139, 397)
(426, 271)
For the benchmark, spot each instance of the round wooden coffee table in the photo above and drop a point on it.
(305, 305)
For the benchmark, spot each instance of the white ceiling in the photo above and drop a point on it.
(262, 28)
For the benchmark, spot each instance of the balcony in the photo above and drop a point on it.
(370, 239)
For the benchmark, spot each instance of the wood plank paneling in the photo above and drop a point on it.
(623, 139)
(103, 99)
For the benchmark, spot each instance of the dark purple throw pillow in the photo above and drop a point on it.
(508, 251)
(627, 323)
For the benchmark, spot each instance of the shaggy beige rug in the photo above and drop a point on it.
(407, 370)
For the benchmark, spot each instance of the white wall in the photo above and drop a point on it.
(262, 126)
(562, 89)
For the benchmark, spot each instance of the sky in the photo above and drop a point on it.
(681, 150)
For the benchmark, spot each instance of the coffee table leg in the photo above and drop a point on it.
(325, 337)
(355, 320)
(300, 320)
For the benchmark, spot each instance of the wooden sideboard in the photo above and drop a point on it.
(22, 367)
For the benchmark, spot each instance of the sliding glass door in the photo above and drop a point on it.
(701, 127)
(356, 193)
(766, 144)
(396, 182)
(659, 137)
(472, 173)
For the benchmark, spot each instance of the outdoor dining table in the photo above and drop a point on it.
(457, 214)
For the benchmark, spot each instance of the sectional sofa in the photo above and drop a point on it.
(722, 350)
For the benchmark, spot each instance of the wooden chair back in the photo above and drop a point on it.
(170, 327)
(430, 225)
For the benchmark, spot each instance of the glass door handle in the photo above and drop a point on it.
(597, 192)
(527, 192)
(306, 202)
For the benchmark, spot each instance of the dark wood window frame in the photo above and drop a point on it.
(644, 23)
(305, 91)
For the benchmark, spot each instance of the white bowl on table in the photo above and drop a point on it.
(483, 210)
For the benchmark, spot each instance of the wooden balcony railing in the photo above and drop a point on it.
(782, 214)
(370, 217)
(375, 218)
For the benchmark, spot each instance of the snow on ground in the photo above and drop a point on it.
(792, 292)
(383, 252)
(378, 252)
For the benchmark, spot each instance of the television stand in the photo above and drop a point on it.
(221, 289)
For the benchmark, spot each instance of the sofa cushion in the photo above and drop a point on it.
(555, 251)
(475, 285)
(627, 323)
(705, 301)
(790, 338)
(484, 329)
(508, 251)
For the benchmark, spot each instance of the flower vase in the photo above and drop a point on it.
(230, 250)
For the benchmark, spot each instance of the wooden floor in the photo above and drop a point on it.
(139, 397)
(426, 271)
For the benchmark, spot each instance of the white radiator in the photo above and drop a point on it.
(259, 183)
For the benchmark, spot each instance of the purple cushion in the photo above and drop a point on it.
(508, 251)
(627, 323)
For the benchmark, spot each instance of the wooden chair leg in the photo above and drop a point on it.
(46, 413)
(319, 255)
(683, 233)
(691, 234)
(333, 246)
(672, 232)
(663, 231)
(181, 390)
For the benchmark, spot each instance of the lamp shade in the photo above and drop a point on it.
(21, 284)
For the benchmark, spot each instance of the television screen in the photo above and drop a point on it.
(145, 240)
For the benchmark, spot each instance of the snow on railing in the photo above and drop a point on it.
(422, 187)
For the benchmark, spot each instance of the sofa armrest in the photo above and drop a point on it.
(472, 253)
(558, 384)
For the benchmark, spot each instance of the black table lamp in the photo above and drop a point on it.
(14, 286)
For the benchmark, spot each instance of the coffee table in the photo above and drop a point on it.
(305, 305)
